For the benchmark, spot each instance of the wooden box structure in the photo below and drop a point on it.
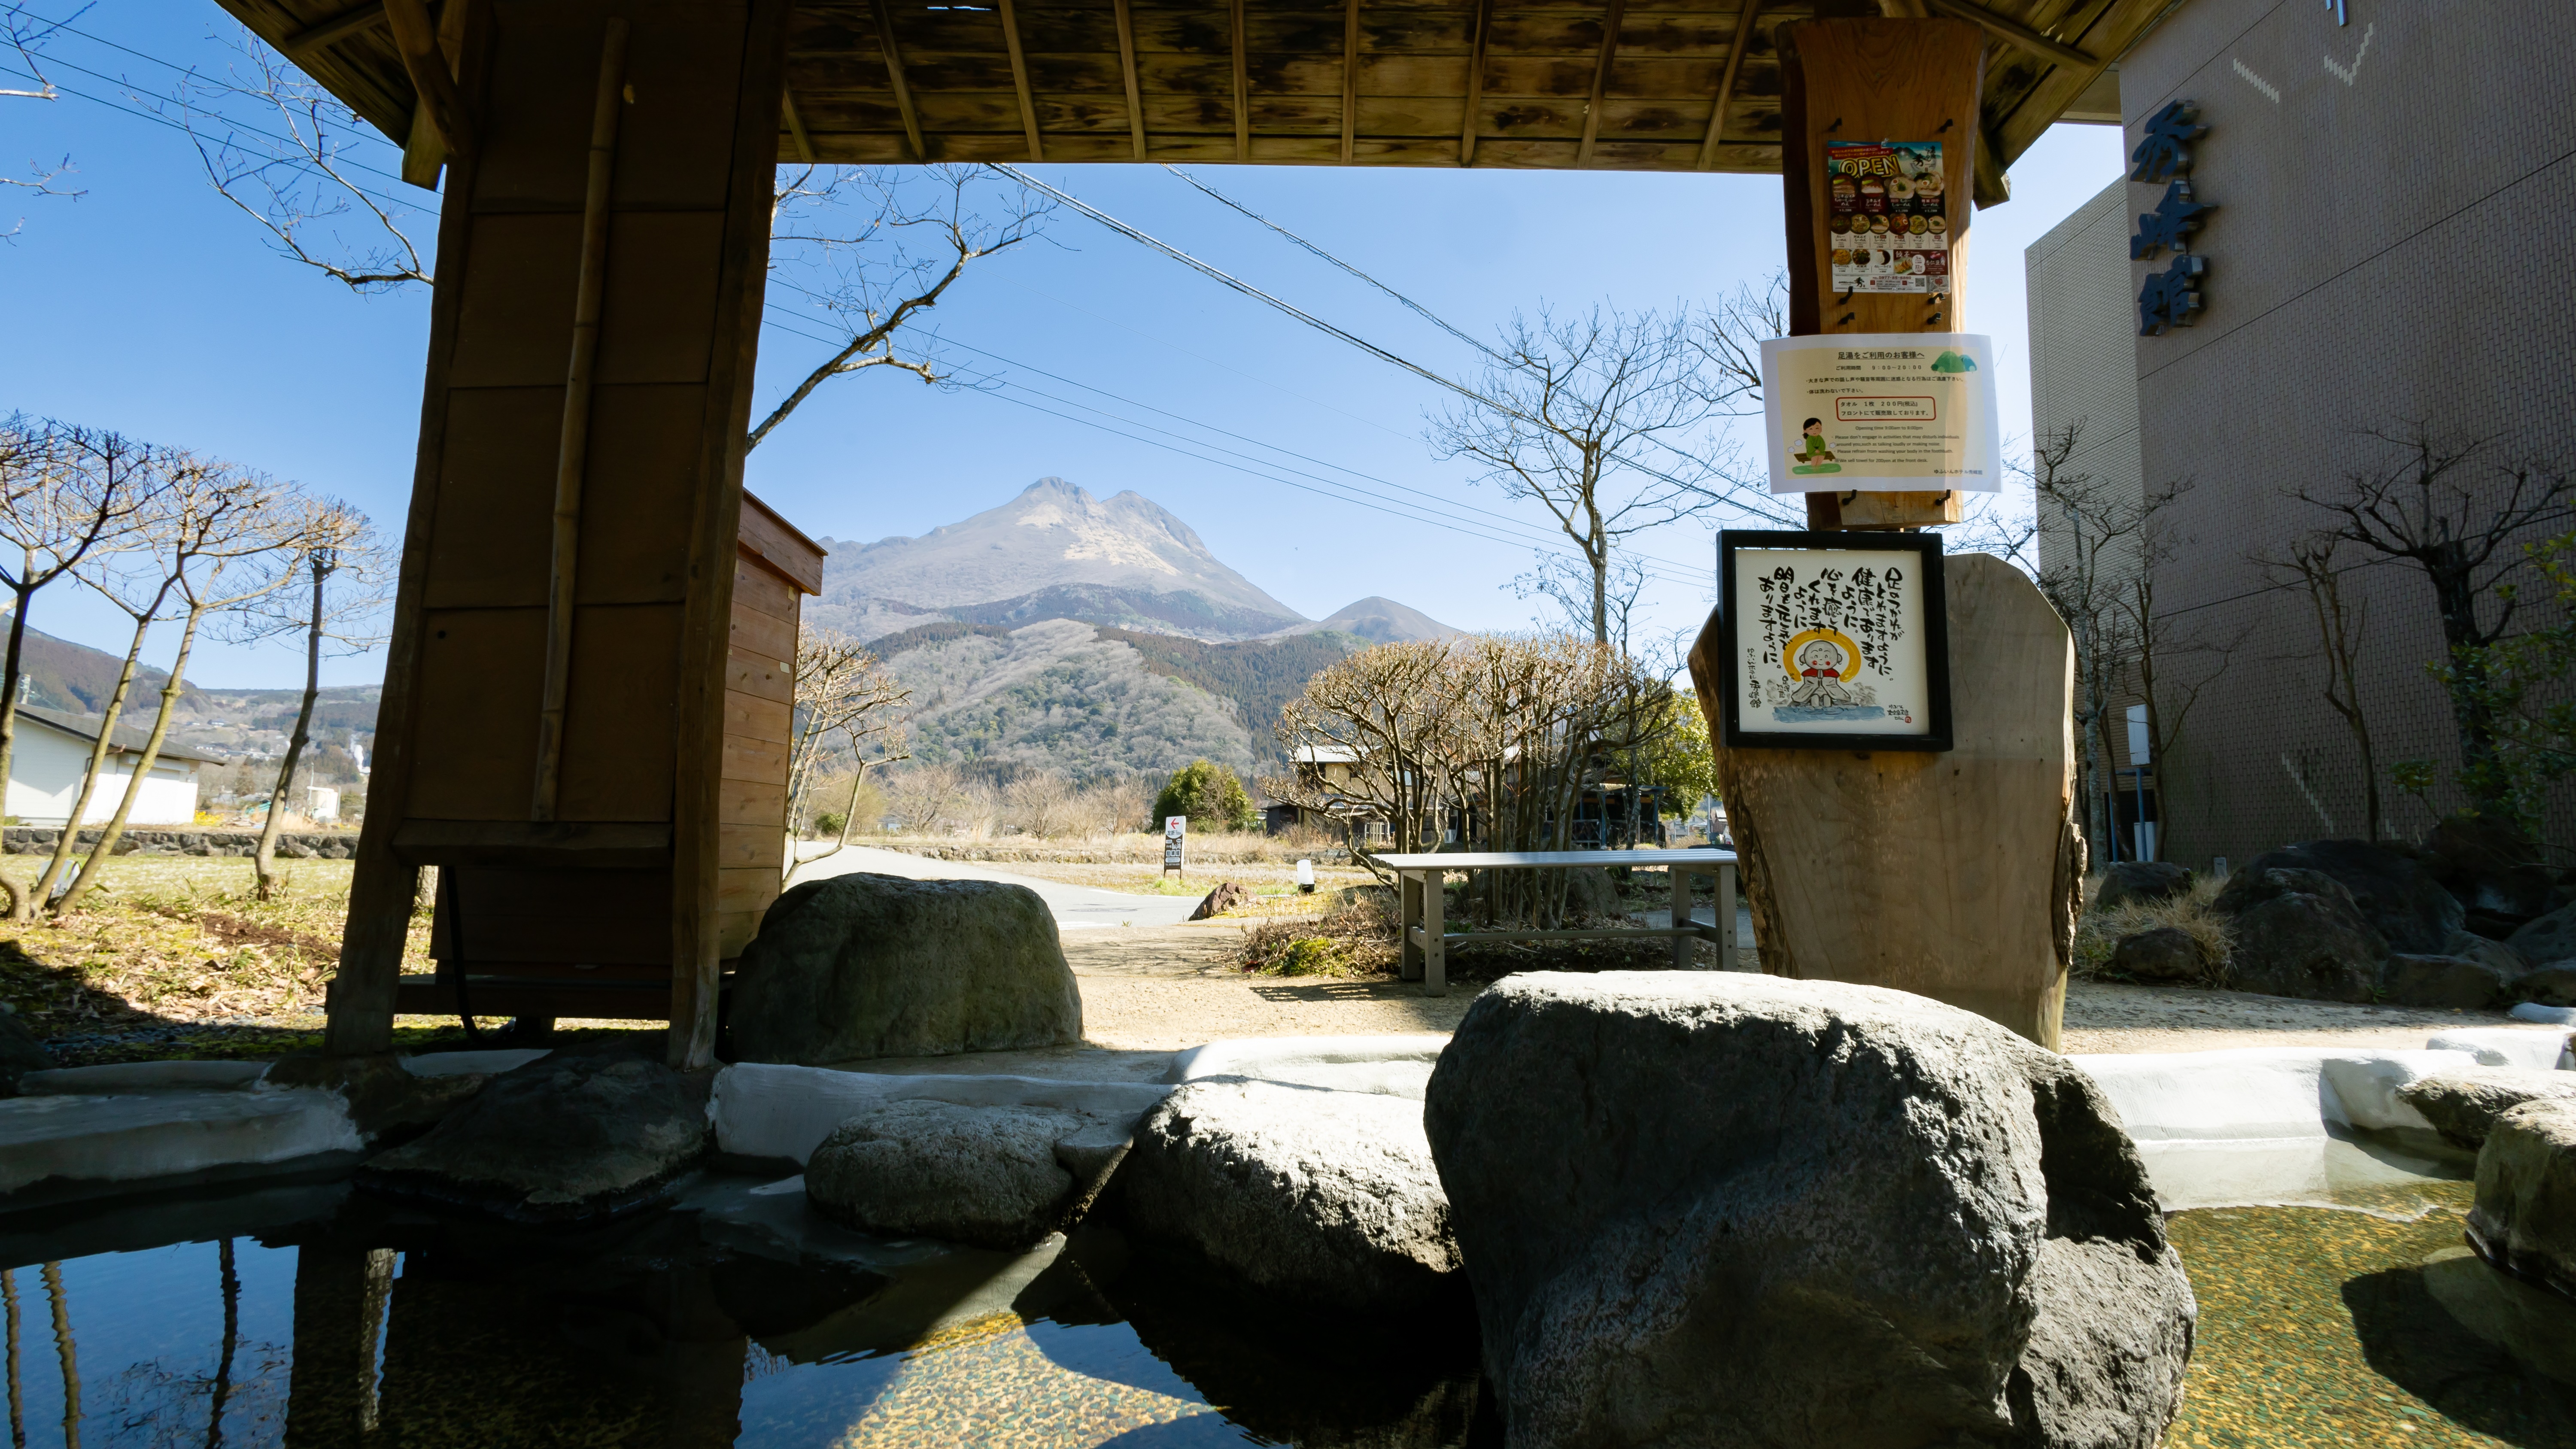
(588, 936)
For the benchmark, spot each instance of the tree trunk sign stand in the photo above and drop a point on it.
(1950, 873)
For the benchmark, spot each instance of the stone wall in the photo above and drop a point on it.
(292, 845)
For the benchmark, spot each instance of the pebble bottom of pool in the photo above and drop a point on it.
(349, 1322)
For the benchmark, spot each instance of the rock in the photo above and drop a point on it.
(2525, 1214)
(2550, 985)
(2394, 891)
(2459, 981)
(2299, 933)
(1328, 1199)
(561, 1139)
(1226, 897)
(2489, 866)
(2551, 938)
(877, 966)
(995, 1177)
(1732, 1209)
(2140, 880)
(2167, 953)
(387, 1104)
(20, 1053)
(2464, 1104)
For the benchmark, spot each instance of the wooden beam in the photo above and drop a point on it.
(1484, 23)
(795, 125)
(1020, 80)
(1350, 80)
(902, 90)
(417, 39)
(1242, 87)
(1726, 83)
(1600, 81)
(1127, 65)
(339, 27)
(2016, 32)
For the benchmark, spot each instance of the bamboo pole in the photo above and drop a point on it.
(573, 455)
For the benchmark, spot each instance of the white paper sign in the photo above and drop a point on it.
(1881, 412)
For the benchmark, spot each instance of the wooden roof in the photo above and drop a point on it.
(1627, 85)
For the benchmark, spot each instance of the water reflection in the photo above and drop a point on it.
(361, 1325)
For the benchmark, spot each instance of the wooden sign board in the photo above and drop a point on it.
(1832, 641)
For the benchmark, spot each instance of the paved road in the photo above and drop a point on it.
(1074, 906)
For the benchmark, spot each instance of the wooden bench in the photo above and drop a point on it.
(1420, 899)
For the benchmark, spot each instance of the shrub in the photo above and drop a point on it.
(1210, 795)
(2099, 933)
(830, 823)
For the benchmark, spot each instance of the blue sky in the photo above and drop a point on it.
(151, 306)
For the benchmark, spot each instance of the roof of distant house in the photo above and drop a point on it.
(127, 740)
(1326, 755)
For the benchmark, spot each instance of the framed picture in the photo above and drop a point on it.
(1833, 641)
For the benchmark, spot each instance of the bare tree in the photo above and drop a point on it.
(841, 690)
(916, 231)
(2172, 662)
(925, 795)
(1577, 402)
(292, 172)
(2097, 528)
(2311, 563)
(66, 495)
(330, 547)
(2464, 527)
(27, 35)
(230, 543)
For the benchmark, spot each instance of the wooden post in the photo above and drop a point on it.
(684, 237)
(1875, 80)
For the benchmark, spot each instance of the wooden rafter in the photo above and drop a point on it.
(1484, 22)
(1127, 64)
(2016, 32)
(902, 88)
(1726, 83)
(795, 124)
(1020, 80)
(1350, 80)
(339, 27)
(1242, 86)
(1600, 80)
(417, 41)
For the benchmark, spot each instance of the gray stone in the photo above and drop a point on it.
(877, 966)
(2299, 933)
(2392, 889)
(2463, 1105)
(1226, 897)
(2140, 880)
(2461, 981)
(563, 1139)
(2489, 865)
(2524, 1217)
(20, 1053)
(2553, 984)
(388, 1103)
(2167, 953)
(995, 1177)
(1729, 1209)
(1326, 1198)
(2548, 939)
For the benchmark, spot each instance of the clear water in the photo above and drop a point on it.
(311, 1318)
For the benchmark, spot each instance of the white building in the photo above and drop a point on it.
(51, 753)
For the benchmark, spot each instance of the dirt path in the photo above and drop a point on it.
(1168, 987)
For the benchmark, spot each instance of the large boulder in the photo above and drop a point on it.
(2548, 940)
(2524, 1218)
(2550, 985)
(2299, 933)
(1328, 1199)
(2492, 868)
(2165, 953)
(2142, 881)
(2463, 1105)
(1732, 1209)
(2392, 889)
(2470, 981)
(1226, 897)
(879, 966)
(564, 1138)
(996, 1177)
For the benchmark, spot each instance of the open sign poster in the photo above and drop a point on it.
(1834, 641)
(1881, 412)
(1889, 217)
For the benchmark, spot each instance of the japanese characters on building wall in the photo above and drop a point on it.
(2170, 297)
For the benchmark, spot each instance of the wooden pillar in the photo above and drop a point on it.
(681, 228)
(1875, 80)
